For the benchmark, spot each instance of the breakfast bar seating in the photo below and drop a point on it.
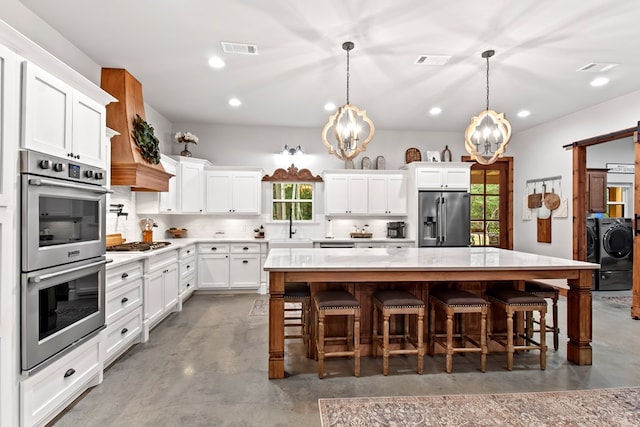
(547, 292)
(298, 294)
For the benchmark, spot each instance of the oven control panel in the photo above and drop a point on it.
(36, 163)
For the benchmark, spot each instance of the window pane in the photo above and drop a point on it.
(300, 211)
(477, 207)
(492, 207)
(292, 191)
(493, 233)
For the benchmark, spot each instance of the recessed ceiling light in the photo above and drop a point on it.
(524, 113)
(235, 102)
(435, 111)
(329, 106)
(599, 81)
(216, 62)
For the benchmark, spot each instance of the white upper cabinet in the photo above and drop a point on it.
(9, 113)
(444, 177)
(232, 192)
(345, 194)
(168, 202)
(58, 120)
(191, 186)
(388, 194)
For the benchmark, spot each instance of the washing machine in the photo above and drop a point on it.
(593, 249)
(616, 254)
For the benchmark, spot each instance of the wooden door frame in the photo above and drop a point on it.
(579, 149)
(509, 194)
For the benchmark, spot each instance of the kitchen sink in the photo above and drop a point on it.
(290, 243)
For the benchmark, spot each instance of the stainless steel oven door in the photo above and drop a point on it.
(62, 221)
(60, 307)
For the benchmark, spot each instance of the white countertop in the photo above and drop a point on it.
(412, 259)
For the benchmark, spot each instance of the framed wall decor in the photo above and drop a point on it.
(433, 156)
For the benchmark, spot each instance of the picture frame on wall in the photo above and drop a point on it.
(433, 156)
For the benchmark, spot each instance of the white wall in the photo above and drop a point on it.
(538, 153)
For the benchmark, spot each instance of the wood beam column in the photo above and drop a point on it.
(276, 325)
(579, 320)
(635, 301)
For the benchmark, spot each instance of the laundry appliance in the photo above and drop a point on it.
(616, 254)
(593, 249)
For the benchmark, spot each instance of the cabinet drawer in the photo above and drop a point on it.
(187, 266)
(245, 248)
(212, 248)
(47, 392)
(162, 260)
(123, 300)
(187, 251)
(188, 283)
(123, 332)
(122, 274)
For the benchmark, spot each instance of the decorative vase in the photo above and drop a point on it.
(186, 152)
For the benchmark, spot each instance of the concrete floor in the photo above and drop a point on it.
(207, 366)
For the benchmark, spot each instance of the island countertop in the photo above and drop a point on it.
(414, 259)
(366, 269)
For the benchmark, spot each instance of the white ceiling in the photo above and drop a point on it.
(301, 66)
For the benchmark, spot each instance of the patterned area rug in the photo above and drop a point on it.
(604, 407)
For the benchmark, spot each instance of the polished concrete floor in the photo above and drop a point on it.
(207, 366)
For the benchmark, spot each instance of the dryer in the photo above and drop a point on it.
(593, 249)
(616, 254)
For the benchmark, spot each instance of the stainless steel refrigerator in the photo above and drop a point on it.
(443, 218)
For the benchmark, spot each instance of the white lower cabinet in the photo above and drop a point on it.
(188, 269)
(123, 313)
(161, 289)
(230, 266)
(44, 394)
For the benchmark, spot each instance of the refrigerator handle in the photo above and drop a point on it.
(443, 217)
(438, 220)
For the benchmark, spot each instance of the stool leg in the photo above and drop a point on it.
(356, 346)
(556, 329)
(449, 364)
(483, 340)
(543, 343)
(420, 342)
(320, 345)
(432, 329)
(307, 327)
(385, 344)
(374, 338)
(509, 339)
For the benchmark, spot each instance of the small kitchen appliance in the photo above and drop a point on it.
(146, 225)
(396, 230)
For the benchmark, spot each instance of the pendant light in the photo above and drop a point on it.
(489, 132)
(348, 126)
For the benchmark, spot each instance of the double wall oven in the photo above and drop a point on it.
(62, 255)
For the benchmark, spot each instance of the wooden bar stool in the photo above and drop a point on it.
(397, 302)
(299, 294)
(547, 292)
(513, 301)
(337, 303)
(452, 302)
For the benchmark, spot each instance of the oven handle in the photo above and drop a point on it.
(75, 186)
(38, 279)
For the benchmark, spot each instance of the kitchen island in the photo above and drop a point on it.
(373, 267)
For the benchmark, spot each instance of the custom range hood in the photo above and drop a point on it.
(128, 166)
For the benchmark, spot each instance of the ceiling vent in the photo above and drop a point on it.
(597, 67)
(239, 48)
(432, 60)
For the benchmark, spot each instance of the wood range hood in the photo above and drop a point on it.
(128, 167)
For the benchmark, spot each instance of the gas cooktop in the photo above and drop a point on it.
(137, 246)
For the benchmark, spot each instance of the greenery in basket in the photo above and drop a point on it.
(146, 140)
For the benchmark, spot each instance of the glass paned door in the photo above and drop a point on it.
(488, 205)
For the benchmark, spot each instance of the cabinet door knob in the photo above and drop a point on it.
(69, 373)
(188, 285)
(124, 300)
(125, 275)
(189, 251)
(124, 331)
(188, 266)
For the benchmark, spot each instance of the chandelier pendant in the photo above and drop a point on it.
(351, 128)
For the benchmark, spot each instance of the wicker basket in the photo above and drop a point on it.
(412, 155)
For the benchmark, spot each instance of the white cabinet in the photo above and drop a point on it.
(345, 194)
(235, 192)
(161, 289)
(148, 202)
(444, 178)
(191, 185)
(188, 271)
(123, 312)
(213, 266)
(230, 266)
(44, 394)
(58, 120)
(387, 194)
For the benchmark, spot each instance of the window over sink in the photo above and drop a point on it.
(292, 200)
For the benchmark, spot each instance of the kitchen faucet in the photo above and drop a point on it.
(291, 230)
